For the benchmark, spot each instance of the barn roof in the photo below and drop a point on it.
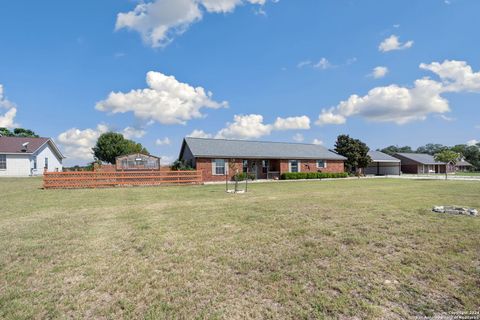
(20, 145)
(378, 156)
(223, 148)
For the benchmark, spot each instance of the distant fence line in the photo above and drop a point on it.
(96, 179)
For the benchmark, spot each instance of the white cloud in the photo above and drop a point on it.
(446, 118)
(393, 43)
(292, 123)
(133, 133)
(328, 117)
(323, 64)
(455, 75)
(317, 141)
(78, 143)
(379, 72)
(199, 134)
(473, 142)
(166, 160)
(251, 126)
(245, 127)
(298, 137)
(159, 21)
(405, 104)
(166, 100)
(7, 120)
(305, 63)
(162, 142)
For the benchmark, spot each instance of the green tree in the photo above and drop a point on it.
(18, 132)
(432, 148)
(391, 150)
(111, 145)
(355, 151)
(449, 157)
(5, 132)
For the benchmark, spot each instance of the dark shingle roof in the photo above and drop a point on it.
(378, 156)
(210, 148)
(15, 145)
(421, 158)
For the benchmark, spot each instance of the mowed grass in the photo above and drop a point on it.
(467, 173)
(348, 249)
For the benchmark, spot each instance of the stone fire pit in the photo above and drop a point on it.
(456, 210)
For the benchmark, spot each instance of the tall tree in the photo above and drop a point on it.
(111, 145)
(355, 151)
(449, 157)
(391, 150)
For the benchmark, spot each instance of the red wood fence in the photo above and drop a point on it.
(89, 179)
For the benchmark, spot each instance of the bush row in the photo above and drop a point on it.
(312, 175)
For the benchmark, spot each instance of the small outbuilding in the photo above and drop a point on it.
(463, 166)
(137, 161)
(382, 164)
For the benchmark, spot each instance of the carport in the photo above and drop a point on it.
(382, 164)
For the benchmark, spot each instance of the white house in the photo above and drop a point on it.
(23, 157)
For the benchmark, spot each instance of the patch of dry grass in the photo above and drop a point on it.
(336, 249)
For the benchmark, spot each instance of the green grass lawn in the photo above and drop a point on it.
(329, 249)
(467, 173)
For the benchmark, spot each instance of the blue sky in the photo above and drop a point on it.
(276, 70)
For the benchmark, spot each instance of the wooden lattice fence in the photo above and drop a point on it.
(89, 179)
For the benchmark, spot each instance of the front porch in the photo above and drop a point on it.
(262, 169)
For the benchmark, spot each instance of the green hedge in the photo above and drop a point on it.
(312, 175)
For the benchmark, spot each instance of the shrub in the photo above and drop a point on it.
(312, 175)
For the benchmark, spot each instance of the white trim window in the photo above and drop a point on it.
(321, 164)
(294, 166)
(219, 167)
(3, 162)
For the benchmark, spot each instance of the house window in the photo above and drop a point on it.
(264, 166)
(3, 161)
(46, 163)
(35, 163)
(321, 164)
(219, 167)
(294, 166)
(245, 166)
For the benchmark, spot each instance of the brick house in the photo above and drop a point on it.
(420, 163)
(218, 158)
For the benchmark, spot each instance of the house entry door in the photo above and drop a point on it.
(253, 168)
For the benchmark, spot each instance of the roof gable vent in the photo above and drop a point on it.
(25, 146)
